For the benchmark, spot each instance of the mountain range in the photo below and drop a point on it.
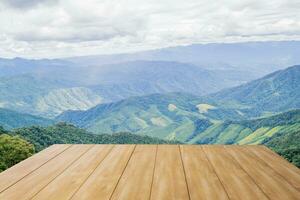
(237, 93)
(275, 92)
(56, 89)
(258, 58)
(48, 87)
(180, 116)
(11, 119)
(183, 116)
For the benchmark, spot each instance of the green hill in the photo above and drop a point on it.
(179, 115)
(249, 131)
(10, 119)
(18, 144)
(62, 133)
(276, 92)
(287, 145)
(13, 149)
(50, 87)
(44, 97)
(167, 116)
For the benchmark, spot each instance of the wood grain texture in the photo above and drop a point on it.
(65, 185)
(17, 172)
(136, 181)
(273, 185)
(27, 187)
(201, 178)
(101, 184)
(238, 184)
(156, 172)
(169, 178)
(287, 170)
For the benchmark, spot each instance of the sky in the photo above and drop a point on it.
(64, 28)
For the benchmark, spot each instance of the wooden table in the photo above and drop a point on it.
(156, 172)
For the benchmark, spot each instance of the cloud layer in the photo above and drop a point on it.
(57, 28)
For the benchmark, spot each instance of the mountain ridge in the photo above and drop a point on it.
(49, 94)
(180, 116)
(10, 119)
(272, 93)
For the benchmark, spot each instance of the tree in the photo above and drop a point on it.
(13, 149)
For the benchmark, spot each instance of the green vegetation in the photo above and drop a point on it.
(58, 100)
(248, 131)
(44, 97)
(166, 116)
(19, 144)
(62, 133)
(247, 114)
(276, 92)
(10, 119)
(13, 149)
(287, 145)
(49, 87)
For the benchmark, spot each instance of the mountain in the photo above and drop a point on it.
(62, 133)
(287, 145)
(41, 67)
(18, 144)
(259, 57)
(254, 131)
(194, 119)
(167, 116)
(57, 89)
(131, 73)
(279, 132)
(276, 92)
(10, 119)
(137, 78)
(44, 97)
(48, 87)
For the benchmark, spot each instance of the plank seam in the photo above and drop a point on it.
(213, 168)
(270, 166)
(35, 169)
(277, 156)
(240, 166)
(153, 172)
(122, 172)
(63, 171)
(186, 182)
(92, 172)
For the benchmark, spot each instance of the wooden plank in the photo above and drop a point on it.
(101, 184)
(17, 172)
(287, 170)
(201, 178)
(238, 184)
(169, 179)
(65, 185)
(274, 185)
(27, 187)
(135, 184)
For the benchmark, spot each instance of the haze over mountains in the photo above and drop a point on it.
(183, 93)
(177, 116)
(274, 92)
(48, 87)
(11, 119)
(46, 92)
(260, 57)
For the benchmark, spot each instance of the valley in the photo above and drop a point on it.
(178, 115)
(154, 99)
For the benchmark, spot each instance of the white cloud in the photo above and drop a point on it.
(56, 28)
(25, 4)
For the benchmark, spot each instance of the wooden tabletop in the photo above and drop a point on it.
(155, 172)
